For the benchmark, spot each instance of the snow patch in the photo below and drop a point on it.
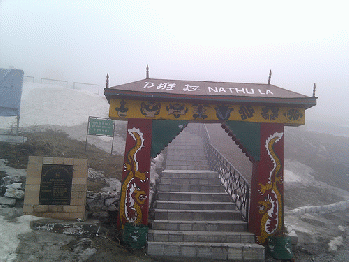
(335, 243)
(296, 172)
(47, 104)
(9, 232)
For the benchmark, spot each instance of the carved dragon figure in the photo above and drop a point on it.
(132, 197)
(271, 207)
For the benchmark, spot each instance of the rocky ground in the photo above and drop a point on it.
(321, 236)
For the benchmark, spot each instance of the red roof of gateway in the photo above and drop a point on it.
(165, 89)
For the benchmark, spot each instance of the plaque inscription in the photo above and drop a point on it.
(55, 187)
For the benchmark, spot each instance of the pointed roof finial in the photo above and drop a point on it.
(314, 90)
(147, 72)
(269, 77)
(107, 82)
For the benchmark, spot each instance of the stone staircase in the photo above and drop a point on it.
(193, 215)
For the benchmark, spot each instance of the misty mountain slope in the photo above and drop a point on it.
(327, 155)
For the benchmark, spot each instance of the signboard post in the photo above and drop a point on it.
(100, 127)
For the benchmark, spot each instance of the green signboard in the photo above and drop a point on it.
(100, 127)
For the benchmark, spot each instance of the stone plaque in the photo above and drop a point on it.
(56, 183)
(56, 187)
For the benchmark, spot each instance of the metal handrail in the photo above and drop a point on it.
(232, 180)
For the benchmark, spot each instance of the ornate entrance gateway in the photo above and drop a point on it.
(253, 114)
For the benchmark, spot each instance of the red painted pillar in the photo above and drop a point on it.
(267, 185)
(135, 175)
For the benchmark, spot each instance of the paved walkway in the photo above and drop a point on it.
(193, 215)
(186, 151)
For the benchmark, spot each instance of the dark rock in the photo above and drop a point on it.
(82, 229)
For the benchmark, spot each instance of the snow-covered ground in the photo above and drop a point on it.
(47, 104)
(61, 108)
(9, 231)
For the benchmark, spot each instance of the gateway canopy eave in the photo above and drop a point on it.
(209, 92)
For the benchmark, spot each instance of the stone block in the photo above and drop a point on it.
(78, 194)
(172, 250)
(47, 161)
(178, 216)
(32, 187)
(161, 215)
(31, 200)
(172, 226)
(81, 209)
(160, 226)
(79, 180)
(28, 209)
(35, 160)
(58, 160)
(79, 173)
(175, 237)
(31, 194)
(79, 187)
(33, 179)
(185, 226)
(70, 209)
(78, 202)
(235, 253)
(68, 161)
(188, 251)
(190, 237)
(34, 171)
(219, 252)
(158, 237)
(204, 252)
(212, 227)
(250, 252)
(55, 209)
(57, 215)
(40, 208)
(155, 249)
(80, 162)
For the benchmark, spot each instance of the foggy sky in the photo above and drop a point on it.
(302, 42)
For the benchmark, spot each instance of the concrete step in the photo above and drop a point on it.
(180, 157)
(198, 160)
(224, 251)
(187, 167)
(194, 196)
(200, 236)
(180, 225)
(196, 215)
(189, 173)
(190, 181)
(195, 152)
(194, 205)
(190, 188)
(181, 146)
